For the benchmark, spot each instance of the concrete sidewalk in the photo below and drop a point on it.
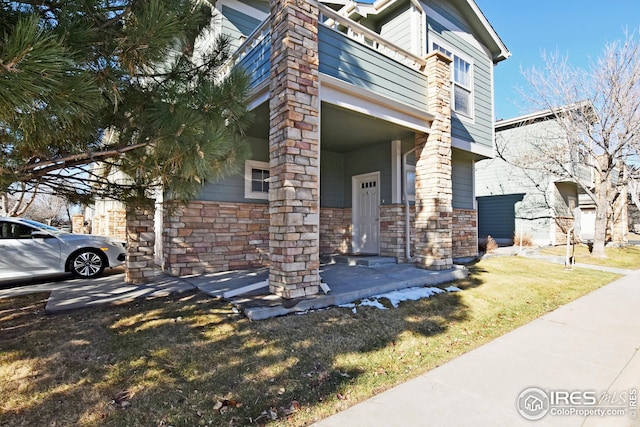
(111, 290)
(589, 345)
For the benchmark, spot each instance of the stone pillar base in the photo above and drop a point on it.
(140, 246)
(295, 290)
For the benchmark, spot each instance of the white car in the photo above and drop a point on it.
(29, 249)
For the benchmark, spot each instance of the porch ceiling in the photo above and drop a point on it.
(342, 130)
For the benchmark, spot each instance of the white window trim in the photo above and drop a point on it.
(471, 116)
(249, 165)
(409, 169)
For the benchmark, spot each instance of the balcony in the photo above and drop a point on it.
(350, 53)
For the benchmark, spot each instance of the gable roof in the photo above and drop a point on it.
(469, 9)
(486, 32)
(583, 108)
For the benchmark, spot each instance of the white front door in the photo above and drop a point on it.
(366, 213)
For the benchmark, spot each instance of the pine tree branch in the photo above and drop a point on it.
(40, 169)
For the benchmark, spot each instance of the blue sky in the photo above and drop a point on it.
(578, 29)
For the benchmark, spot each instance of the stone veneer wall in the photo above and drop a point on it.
(620, 218)
(207, 237)
(112, 223)
(140, 246)
(562, 224)
(465, 233)
(294, 149)
(335, 231)
(77, 224)
(434, 210)
(633, 217)
(393, 231)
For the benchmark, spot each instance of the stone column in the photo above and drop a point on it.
(434, 210)
(294, 147)
(140, 245)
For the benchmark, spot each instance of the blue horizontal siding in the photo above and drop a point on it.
(355, 63)
(366, 160)
(398, 30)
(479, 129)
(257, 62)
(231, 188)
(236, 23)
(332, 180)
(462, 182)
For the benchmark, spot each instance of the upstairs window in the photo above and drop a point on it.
(256, 180)
(462, 82)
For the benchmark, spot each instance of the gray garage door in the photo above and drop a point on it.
(496, 216)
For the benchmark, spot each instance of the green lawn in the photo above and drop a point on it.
(191, 360)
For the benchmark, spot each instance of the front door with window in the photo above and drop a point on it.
(366, 213)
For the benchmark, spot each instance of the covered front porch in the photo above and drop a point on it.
(346, 283)
(330, 134)
(361, 180)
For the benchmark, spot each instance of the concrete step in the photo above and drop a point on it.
(362, 260)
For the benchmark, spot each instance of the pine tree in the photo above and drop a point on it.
(133, 84)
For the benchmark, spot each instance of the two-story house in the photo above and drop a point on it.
(521, 198)
(369, 118)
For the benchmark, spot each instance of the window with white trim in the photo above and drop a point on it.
(411, 182)
(462, 82)
(256, 180)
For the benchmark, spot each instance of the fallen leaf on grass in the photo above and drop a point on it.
(294, 406)
(222, 406)
(268, 415)
(274, 413)
(380, 371)
(122, 398)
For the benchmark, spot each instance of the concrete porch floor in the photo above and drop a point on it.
(349, 279)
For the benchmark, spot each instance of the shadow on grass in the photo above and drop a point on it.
(191, 360)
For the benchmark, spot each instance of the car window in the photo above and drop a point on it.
(42, 226)
(12, 230)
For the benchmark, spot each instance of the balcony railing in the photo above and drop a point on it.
(363, 35)
(348, 52)
(259, 36)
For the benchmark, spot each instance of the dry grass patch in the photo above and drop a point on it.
(190, 360)
(626, 257)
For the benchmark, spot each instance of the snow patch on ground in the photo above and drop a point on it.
(396, 297)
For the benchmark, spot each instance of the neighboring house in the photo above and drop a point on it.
(107, 216)
(514, 201)
(346, 96)
(633, 204)
(634, 217)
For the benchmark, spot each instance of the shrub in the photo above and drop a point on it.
(523, 239)
(487, 245)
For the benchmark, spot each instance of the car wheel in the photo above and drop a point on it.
(88, 263)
